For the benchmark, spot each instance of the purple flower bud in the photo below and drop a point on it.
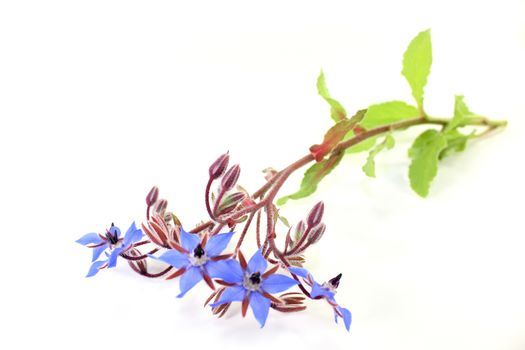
(219, 166)
(299, 230)
(334, 282)
(316, 233)
(316, 215)
(161, 206)
(230, 202)
(230, 178)
(152, 196)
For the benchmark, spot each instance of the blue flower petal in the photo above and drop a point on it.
(95, 268)
(112, 261)
(230, 294)
(98, 250)
(299, 271)
(257, 263)
(277, 283)
(218, 243)
(318, 290)
(173, 258)
(347, 317)
(260, 307)
(113, 230)
(90, 238)
(189, 240)
(189, 279)
(228, 270)
(132, 235)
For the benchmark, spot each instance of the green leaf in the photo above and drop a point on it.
(283, 220)
(370, 166)
(337, 111)
(362, 146)
(425, 153)
(456, 142)
(461, 113)
(313, 176)
(416, 65)
(388, 112)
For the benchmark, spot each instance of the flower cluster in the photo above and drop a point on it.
(111, 243)
(197, 254)
(272, 278)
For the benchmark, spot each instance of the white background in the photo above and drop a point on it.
(100, 100)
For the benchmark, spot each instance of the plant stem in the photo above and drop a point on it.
(272, 186)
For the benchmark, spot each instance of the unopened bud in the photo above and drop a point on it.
(230, 202)
(316, 215)
(316, 233)
(152, 196)
(161, 206)
(334, 282)
(299, 230)
(230, 178)
(219, 166)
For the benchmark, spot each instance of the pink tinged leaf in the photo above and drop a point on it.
(334, 135)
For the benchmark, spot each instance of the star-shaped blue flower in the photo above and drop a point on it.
(197, 258)
(111, 241)
(252, 284)
(325, 291)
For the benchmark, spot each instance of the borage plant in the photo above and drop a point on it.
(199, 253)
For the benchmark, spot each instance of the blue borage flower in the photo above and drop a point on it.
(251, 284)
(113, 241)
(197, 258)
(325, 291)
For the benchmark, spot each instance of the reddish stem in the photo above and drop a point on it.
(201, 227)
(140, 257)
(150, 275)
(244, 231)
(207, 193)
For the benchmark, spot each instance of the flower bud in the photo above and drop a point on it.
(161, 206)
(152, 196)
(230, 202)
(316, 233)
(316, 215)
(219, 166)
(230, 178)
(299, 230)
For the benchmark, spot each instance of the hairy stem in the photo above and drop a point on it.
(272, 186)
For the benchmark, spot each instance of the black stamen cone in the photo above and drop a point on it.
(198, 251)
(255, 278)
(113, 239)
(335, 281)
